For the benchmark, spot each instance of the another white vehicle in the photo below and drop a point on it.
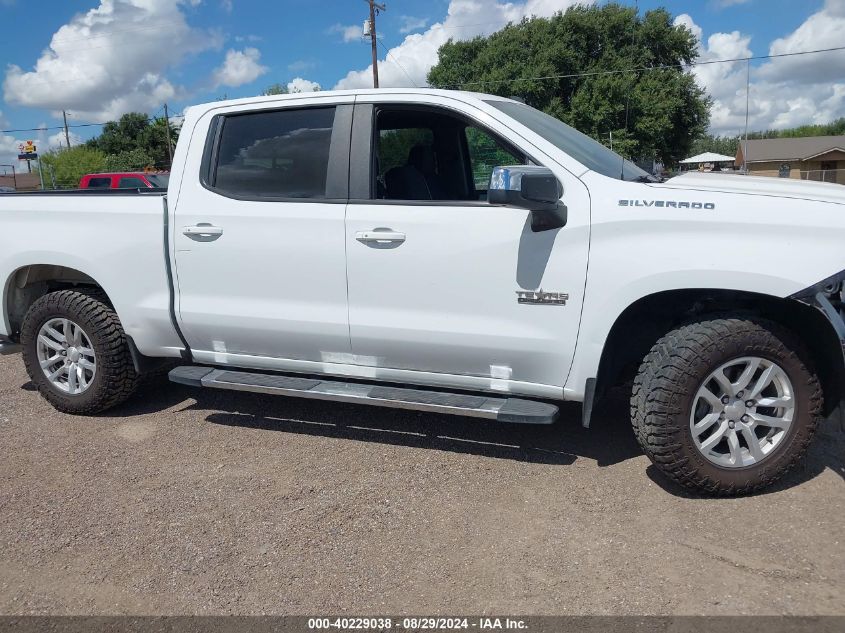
(346, 246)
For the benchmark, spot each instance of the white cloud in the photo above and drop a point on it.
(349, 33)
(9, 152)
(823, 29)
(465, 19)
(298, 84)
(43, 139)
(784, 92)
(410, 23)
(58, 141)
(685, 19)
(110, 60)
(239, 68)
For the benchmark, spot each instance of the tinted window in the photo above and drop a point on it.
(158, 180)
(592, 154)
(431, 154)
(281, 154)
(130, 182)
(485, 153)
(99, 183)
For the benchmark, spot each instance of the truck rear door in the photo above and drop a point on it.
(259, 237)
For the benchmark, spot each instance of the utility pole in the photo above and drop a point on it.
(374, 9)
(67, 134)
(167, 133)
(747, 93)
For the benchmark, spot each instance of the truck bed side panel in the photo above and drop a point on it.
(117, 240)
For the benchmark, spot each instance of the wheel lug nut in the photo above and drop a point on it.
(731, 424)
(725, 400)
(739, 395)
(745, 418)
(750, 403)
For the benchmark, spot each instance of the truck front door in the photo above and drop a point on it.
(442, 285)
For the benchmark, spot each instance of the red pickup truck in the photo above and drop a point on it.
(125, 180)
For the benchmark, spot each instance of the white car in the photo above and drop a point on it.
(444, 251)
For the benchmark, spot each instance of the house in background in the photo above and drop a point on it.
(810, 158)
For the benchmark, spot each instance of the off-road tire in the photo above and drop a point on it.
(115, 379)
(669, 377)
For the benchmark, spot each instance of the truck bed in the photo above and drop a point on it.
(117, 237)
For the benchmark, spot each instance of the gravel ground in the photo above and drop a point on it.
(192, 502)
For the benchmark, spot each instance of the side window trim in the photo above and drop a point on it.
(363, 149)
(337, 178)
(362, 152)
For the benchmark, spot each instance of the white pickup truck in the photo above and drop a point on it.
(444, 251)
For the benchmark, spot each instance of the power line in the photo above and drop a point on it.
(648, 68)
(112, 32)
(537, 78)
(77, 125)
(396, 61)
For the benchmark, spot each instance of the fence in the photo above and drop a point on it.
(824, 175)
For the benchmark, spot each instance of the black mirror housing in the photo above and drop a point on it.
(529, 187)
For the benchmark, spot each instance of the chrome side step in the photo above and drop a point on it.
(514, 410)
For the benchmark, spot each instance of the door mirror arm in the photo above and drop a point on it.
(533, 188)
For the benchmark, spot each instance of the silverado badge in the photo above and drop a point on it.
(541, 297)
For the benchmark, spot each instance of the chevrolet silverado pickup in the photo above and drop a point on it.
(450, 252)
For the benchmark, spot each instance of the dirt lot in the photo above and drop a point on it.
(209, 502)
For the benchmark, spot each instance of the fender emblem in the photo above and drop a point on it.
(541, 297)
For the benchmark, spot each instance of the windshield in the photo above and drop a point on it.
(581, 147)
(158, 180)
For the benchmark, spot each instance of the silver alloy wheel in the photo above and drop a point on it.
(742, 412)
(66, 356)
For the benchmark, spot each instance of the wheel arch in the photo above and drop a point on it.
(648, 318)
(30, 282)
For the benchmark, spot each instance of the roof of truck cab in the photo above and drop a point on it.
(323, 94)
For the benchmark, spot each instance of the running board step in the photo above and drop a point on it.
(514, 410)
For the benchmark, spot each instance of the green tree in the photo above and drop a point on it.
(275, 89)
(584, 67)
(135, 132)
(725, 145)
(129, 160)
(282, 89)
(69, 165)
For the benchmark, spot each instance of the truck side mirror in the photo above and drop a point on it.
(529, 187)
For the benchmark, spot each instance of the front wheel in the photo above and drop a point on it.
(76, 353)
(726, 406)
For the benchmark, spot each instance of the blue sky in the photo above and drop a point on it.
(99, 58)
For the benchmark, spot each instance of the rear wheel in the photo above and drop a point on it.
(726, 406)
(76, 353)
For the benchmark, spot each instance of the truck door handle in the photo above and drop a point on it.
(202, 232)
(381, 236)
